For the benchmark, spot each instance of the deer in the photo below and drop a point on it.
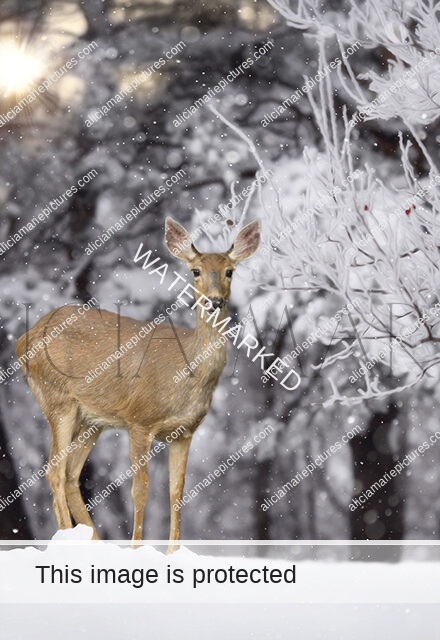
(137, 392)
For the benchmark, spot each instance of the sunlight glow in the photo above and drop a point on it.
(19, 70)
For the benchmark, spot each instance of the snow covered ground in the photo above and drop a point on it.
(328, 600)
(216, 622)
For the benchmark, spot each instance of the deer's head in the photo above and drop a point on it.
(212, 271)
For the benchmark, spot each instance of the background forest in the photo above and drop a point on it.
(373, 240)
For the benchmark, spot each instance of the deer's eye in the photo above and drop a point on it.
(196, 272)
(229, 273)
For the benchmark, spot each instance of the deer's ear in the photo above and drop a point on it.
(178, 241)
(246, 242)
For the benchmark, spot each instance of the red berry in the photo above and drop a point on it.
(407, 211)
(366, 207)
(414, 206)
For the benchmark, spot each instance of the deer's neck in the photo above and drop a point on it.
(206, 338)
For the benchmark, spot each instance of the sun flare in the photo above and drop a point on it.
(19, 70)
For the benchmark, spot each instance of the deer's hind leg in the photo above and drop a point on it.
(82, 446)
(63, 425)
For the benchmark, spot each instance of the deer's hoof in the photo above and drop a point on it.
(172, 549)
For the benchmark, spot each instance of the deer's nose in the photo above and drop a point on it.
(217, 303)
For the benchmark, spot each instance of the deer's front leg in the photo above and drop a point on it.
(178, 457)
(140, 444)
